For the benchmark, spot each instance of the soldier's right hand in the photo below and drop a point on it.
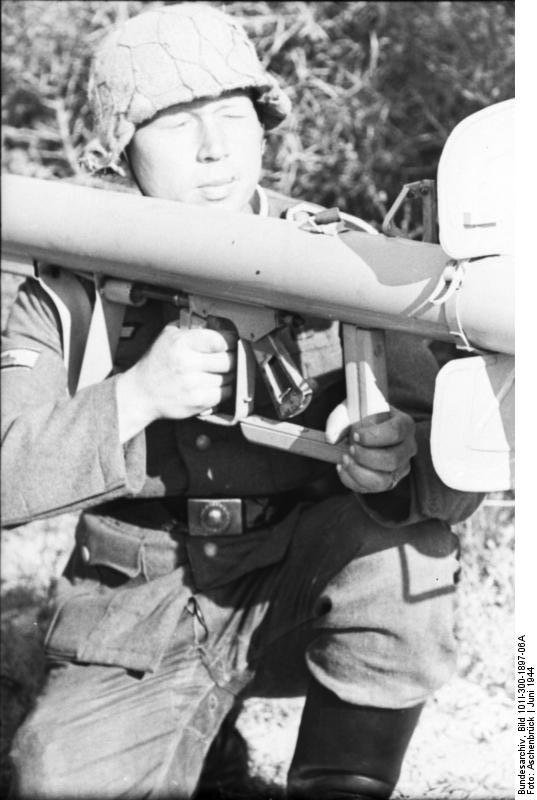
(185, 372)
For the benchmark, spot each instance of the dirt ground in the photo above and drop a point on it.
(464, 745)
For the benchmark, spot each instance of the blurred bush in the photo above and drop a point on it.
(376, 87)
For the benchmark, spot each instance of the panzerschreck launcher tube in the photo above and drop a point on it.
(358, 278)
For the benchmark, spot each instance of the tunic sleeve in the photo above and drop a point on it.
(59, 453)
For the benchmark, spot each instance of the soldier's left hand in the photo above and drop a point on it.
(379, 454)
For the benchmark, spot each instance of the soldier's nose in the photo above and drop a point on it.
(213, 145)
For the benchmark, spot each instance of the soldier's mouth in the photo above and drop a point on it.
(217, 190)
(217, 182)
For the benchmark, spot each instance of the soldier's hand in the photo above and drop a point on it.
(184, 373)
(379, 454)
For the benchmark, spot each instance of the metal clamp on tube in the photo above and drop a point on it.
(447, 294)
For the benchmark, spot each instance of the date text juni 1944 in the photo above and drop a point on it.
(525, 721)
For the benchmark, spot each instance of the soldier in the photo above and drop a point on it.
(206, 566)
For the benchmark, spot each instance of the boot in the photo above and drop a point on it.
(347, 751)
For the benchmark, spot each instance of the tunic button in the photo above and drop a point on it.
(203, 442)
(85, 554)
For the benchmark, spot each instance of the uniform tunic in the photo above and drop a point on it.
(357, 590)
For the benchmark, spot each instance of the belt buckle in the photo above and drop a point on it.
(213, 517)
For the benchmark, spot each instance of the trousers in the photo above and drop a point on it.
(363, 608)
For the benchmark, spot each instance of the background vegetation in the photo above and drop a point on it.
(376, 88)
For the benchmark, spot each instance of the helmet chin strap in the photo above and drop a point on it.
(259, 202)
(126, 157)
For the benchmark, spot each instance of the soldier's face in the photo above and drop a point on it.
(207, 153)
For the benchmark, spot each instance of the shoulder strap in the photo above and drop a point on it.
(90, 330)
(102, 339)
(74, 309)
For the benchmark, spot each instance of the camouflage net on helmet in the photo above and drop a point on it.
(175, 54)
